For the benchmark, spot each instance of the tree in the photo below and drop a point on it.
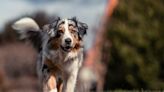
(137, 53)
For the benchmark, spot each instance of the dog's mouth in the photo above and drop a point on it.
(66, 48)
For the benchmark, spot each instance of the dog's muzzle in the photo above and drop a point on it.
(67, 47)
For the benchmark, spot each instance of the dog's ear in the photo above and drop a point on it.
(48, 29)
(82, 27)
(51, 28)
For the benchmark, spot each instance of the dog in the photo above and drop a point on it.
(60, 50)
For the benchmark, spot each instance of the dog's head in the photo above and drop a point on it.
(66, 34)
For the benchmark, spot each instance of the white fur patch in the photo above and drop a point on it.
(70, 55)
(53, 90)
(67, 34)
(25, 24)
(52, 32)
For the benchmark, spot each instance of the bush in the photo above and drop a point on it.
(137, 53)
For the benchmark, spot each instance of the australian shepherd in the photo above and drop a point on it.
(60, 47)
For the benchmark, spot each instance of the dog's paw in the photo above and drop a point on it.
(53, 90)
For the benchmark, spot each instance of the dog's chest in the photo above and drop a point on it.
(64, 63)
(70, 62)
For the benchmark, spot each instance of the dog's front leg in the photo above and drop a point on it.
(51, 84)
(70, 83)
(49, 80)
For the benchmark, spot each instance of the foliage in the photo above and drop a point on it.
(136, 32)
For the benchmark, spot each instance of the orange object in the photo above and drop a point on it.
(94, 52)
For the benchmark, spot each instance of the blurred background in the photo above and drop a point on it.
(124, 47)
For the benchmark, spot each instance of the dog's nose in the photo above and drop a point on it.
(68, 41)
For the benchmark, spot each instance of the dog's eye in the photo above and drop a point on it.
(60, 31)
(73, 31)
(71, 25)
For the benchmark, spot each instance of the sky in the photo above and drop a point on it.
(88, 11)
